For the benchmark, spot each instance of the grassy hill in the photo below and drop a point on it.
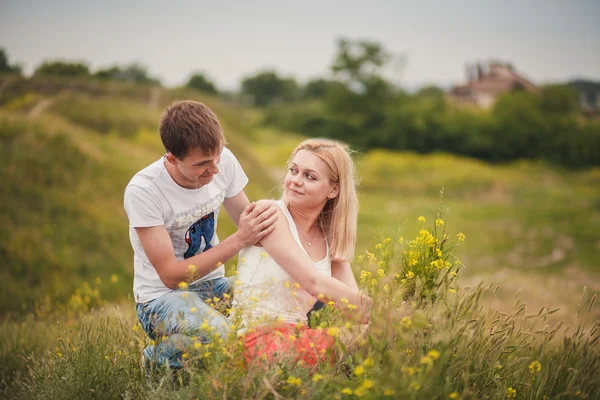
(70, 147)
(68, 158)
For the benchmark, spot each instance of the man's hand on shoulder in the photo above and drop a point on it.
(256, 221)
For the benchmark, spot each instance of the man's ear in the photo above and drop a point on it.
(171, 159)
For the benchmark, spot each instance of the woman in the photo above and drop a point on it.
(280, 278)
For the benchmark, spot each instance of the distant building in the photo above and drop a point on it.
(486, 83)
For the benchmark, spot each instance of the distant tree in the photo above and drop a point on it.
(199, 81)
(63, 68)
(559, 99)
(359, 66)
(316, 88)
(359, 63)
(5, 67)
(129, 73)
(431, 91)
(267, 87)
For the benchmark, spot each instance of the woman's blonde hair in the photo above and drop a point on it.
(339, 216)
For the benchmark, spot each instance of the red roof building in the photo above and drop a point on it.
(486, 84)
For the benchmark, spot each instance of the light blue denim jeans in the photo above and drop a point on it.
(173, 320)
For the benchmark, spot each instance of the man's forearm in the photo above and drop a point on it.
(203, 263)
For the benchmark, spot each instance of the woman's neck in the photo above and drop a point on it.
(304, 219)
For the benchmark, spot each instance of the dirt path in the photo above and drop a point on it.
(40, 107)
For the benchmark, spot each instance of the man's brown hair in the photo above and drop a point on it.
(189, 124)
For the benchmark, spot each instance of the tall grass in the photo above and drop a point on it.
(428, 338)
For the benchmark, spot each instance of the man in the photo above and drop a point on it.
(173, 206)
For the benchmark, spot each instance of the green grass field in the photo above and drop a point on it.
(68, 324)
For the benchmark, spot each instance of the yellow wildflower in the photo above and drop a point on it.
(388, 392)
(352, 307)
(410, 371)
(368, 362)
(421, 219)
(294, 381)
(321, 296)
(438, 252)
(344, 300)
(380, 272)
(535, 366)
(347, 391)
(361, 258)
(434, 354)
(114, 278)
(511, 393)
(387, 240)
(358, 371)
(333, 331)
(410, 275)
(451, 290)
(378, 246)
(317, 377)
(197, 345)
(372, 257)
(439, 222)
(453, 395)
(461, 237)
(193, 309)
(409, 352)
(183, 285)
(367, 384)
(406, 322)
(331, 303)
(426, 360)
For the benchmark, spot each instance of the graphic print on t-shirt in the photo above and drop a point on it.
(203, 228)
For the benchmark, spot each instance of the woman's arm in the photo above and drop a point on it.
(285, 251)
(342, 271)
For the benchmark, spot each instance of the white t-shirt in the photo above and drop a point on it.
(153, 198)
(265, 293)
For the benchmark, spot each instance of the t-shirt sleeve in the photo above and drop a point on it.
(142, 207)
(236, 176)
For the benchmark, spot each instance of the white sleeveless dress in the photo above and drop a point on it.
(265, 293)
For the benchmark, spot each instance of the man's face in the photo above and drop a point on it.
(197, 168)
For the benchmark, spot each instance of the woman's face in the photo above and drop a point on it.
(307, 182)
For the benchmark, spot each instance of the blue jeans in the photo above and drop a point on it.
(174, 319)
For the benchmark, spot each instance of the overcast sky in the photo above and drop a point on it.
(549, 40)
